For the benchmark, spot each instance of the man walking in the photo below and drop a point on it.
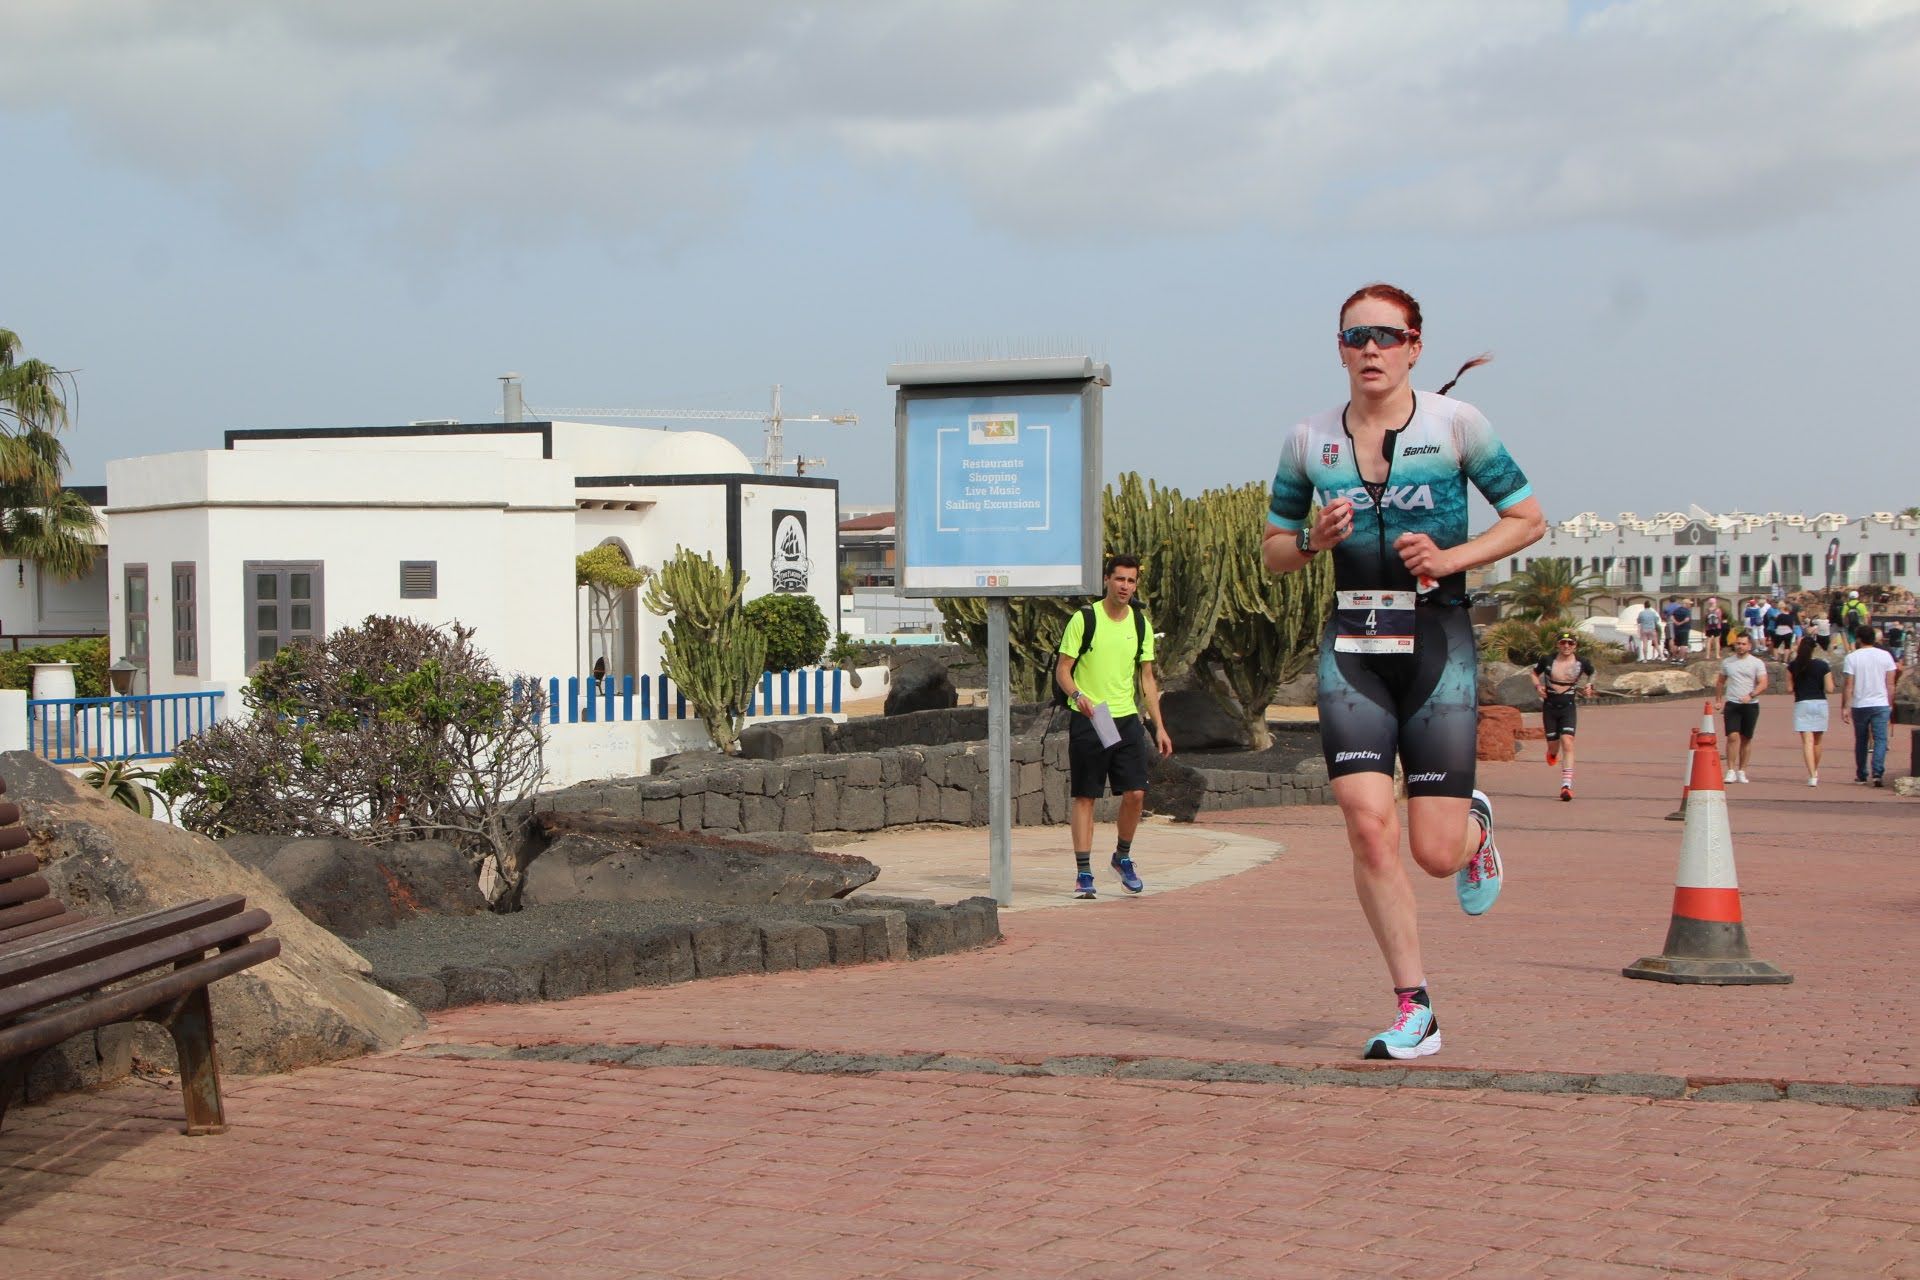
(1866, 699)
(1742, 679)
(1104, 645)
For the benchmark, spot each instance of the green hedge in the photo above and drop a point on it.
(89, 659)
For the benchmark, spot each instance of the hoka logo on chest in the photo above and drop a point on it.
(1399, 497)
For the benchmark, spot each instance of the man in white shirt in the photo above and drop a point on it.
(1742, 679)
(1866, 699)
(1648, 624)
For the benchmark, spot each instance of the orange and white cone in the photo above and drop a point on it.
(1707, 939)
(1694, 737)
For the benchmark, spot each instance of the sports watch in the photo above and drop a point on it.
(1304, 540)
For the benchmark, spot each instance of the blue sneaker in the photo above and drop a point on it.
(1477, 884)
(1083, 885)
(1123, 867)
(1414, 1034)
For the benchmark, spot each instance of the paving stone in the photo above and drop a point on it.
(979, 1066)
(1846, 1095)
(1088, 1065)
(858, 1063)
(1739, 1091)
(1638, 1084)
(1539, 1082)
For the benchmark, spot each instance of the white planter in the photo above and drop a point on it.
(53, 680)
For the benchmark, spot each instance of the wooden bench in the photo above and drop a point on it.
(62, 973)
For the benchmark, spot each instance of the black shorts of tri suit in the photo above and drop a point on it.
(1742, 718)
(1093, 767)
(1560, 714)
(1423, 707)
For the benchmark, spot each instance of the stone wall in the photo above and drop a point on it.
(842, 783)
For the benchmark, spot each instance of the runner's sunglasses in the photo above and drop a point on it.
(1383, 336)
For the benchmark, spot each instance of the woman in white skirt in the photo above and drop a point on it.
(1812, 682)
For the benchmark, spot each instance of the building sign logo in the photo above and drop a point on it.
(993, 428)
(791, 567)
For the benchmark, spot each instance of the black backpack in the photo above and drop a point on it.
(1086, 643)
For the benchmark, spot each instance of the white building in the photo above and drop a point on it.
(37, 607)
(1730, 556)
(219, 557)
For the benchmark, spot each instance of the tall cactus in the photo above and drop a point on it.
(1180, 542)
(711, 652)
(1034, 627)
(1269, 629)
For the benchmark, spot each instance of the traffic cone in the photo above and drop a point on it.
(1686, 770)
(1706, 941)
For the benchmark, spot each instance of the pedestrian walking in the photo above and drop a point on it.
(1853, 616)
(1742, 679)
(1716, 628)
(1812, 682)
(1105, 647)
(1556, 678)
(1398, 668)
(1866, 701)
(1648, 624)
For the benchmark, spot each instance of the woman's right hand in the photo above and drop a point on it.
(1335, 523)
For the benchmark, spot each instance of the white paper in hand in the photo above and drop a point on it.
(1104, 726)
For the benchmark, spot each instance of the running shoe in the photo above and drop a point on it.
(1083, 885)
(1477, 884)
(1553, 753)
(1733, 775)
(1123, 867)
(1742, 777)
(1566, 791)
(1414, 1034)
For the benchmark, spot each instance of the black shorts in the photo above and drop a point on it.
(1742, 718)
(1425, 707)
(1560, 713)
(1093, 767)
(1825, 642)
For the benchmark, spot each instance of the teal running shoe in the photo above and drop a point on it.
(1123, 867)
(1414, 1034)
(1477, 884)
(1083, 885)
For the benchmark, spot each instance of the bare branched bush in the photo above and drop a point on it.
(393, 730)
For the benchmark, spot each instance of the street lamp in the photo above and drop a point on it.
(120, 676)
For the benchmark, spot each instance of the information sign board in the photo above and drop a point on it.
(998, 488)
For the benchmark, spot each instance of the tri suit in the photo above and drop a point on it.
(1558, 710)
(1398, 671)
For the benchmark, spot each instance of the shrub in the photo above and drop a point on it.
(392, 730)
(795, 629)
(1526, 641)
(88, 656)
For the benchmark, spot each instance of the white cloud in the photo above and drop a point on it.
(493, 115)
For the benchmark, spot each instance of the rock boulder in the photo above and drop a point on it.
(1197, 722)
(603, 857)
(351, 889)
(1499, 728)
(1660, 680)
(920, 684)
(1301, 691)
(313, 1004)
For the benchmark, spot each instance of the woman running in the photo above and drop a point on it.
(1398, 671)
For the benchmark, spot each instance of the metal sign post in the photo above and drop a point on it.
(997, 494)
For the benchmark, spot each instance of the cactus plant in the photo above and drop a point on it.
(1269, 628)
(711, 652)
(1180, 542)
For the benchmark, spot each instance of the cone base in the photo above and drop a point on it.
(1703, 972)
(1678, 815)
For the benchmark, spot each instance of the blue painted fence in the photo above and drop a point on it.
(136, 727)
(808, 691)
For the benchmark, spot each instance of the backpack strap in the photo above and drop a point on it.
(1086, 630)
(1139, 632)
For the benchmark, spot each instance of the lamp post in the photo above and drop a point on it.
(120, 676)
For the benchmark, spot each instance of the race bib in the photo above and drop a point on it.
(1373, 622)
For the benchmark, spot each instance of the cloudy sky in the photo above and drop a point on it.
(1685, 227)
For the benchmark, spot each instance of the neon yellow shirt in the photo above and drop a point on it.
(1106, 673)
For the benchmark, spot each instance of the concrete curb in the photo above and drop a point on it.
(1656, 1088)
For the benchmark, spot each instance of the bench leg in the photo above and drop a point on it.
(13, 1083)
(190, 1021)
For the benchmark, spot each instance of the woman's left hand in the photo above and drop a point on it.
(1422, 558)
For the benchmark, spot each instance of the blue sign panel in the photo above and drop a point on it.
(994, 493)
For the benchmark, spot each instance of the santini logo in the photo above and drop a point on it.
(1344, 756)
(1420, 448)
(1427, 777)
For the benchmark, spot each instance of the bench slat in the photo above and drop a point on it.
(37, 932)
(15, 865)
(118, 1006)
(27, 933)
(24, 889)
(101, 938)
(14, 838)
(9, 813)
(28, 912)
(67, 983)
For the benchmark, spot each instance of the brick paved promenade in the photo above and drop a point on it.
(421, 1163)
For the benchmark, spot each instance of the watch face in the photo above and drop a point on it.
(1304, 538)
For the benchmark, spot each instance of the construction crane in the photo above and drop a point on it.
(771, 462)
